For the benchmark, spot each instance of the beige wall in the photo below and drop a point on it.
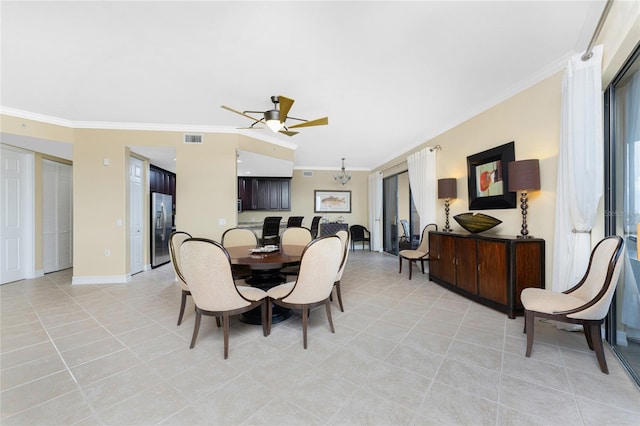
(532, 120)
(302, 190)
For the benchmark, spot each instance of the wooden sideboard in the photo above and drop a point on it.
(489, 269)
(331, 228)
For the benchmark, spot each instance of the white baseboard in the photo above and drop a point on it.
(101, 279)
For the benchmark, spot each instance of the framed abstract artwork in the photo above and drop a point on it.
(488, 179)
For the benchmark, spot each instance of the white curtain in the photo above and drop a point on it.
(580, 169)
(422, 179)
(375, 210)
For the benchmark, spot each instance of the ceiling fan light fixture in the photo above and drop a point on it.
(272, 120)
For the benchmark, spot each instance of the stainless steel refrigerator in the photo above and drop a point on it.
(161, 223)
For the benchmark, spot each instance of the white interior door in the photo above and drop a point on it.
(57, 220)
(136, 203)
(16, 215)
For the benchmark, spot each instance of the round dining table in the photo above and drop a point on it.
(265, 273)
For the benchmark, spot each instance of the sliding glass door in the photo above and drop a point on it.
(622, 206)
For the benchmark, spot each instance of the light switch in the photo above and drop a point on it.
(222, 221)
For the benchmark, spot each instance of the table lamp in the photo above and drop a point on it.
(524, 175)
(447, 189)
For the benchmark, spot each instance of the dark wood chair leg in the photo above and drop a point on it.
(339, 294)
(328, 306)
(225, 328)
(305, 320)
(263, 310)
(196, 327)
(218, 321)
(529, 322)
(400, 261)
(587, 335)
(183, 304)
(269, 313)
(596, 338)
(410, 267)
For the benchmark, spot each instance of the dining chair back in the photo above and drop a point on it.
(405, 229)
(319, 266)
(271, 230)
(235, 237)
(421, 253)
(175, 241)
(294, 221)
(344, 239)
(315, 226)
(295, 236)
(360, 234)
(207, 268)
(587, 303)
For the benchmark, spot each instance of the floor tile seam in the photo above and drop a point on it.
(430, 379)
(3, 419)
(568, 393)
(450, 345)
(33, 380)
(335, 421)
(502, 406)
(22, 348)
(68, 369)
(114, 336)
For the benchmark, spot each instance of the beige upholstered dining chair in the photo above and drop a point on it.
(344, 239)
(587, 303)
(421, 253)
(235, 237)
(207, 268)
(295, 237)
(319, 266)
(175, 241)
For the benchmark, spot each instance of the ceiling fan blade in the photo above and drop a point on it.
(285, 106)
(241, 113)
(288, 133)
(317, 122)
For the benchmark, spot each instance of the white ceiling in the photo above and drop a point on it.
(389, 75)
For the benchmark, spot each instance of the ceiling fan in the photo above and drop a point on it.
(275, 118)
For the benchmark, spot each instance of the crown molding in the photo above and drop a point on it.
(105, 125)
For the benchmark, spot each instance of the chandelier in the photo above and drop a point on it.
(343, 177)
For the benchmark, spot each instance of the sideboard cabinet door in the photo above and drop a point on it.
(492, 270)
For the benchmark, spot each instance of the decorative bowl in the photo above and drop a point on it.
(476, 222)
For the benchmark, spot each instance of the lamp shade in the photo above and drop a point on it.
(447, 188)
(524, 175)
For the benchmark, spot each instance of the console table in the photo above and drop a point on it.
(489, 269)
(332, 227)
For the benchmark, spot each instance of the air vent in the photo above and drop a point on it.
(307, 173)
(192, 138)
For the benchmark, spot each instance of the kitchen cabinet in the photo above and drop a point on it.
(265, 193)
(489, 269)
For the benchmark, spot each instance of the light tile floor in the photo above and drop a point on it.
(404, 352)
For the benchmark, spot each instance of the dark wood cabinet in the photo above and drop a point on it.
(491, 270)
(265, 193)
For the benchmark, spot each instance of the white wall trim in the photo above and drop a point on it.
(189, 128)
(101, 279)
